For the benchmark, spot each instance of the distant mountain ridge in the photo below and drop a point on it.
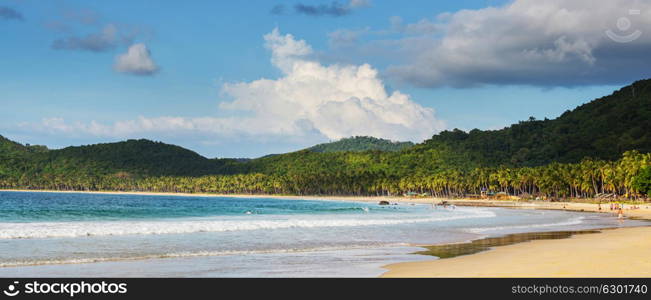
(147, 158)
(129, 158)
(360, 143)
(136, 156)
(602, 129)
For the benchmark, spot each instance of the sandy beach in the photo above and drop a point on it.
(341, 198)
(575, 206)
(623, 252)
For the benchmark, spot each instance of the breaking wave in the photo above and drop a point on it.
(117, 228)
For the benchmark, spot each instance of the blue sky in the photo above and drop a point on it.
(79, 72)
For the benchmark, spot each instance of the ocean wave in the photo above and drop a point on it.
(573, 221)
(67, 261)
(117, 228)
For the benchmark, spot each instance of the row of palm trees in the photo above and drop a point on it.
(588, 178)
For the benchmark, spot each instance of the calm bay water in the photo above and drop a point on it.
(65, 234)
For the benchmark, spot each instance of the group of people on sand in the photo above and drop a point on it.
(620, 208)
(617, 206)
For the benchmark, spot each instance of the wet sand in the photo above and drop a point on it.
(624, 252)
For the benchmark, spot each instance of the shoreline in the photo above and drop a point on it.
(618, 252)
(643, 213)
(612, 252)
(255, 196)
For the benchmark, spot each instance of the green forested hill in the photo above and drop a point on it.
(360, 143)
(12, 157)
(9, 147)
(131, 158)
(603, 129)
(583, 152)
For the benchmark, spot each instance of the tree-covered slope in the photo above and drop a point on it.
(603, 129)
(131, 158)
(9, 147)
(360, 143)
(12, 156)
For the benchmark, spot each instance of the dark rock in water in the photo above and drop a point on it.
(384, 202)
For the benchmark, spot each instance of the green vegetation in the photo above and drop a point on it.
(361, 143)
(128, 159)
(599, 148)
(371, 177)
(642, 182)
(601, 129)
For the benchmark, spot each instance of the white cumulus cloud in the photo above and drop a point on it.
(309, 101)
(336, 100)
(137, 60)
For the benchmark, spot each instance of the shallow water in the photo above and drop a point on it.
(479, 245)
(63, 234)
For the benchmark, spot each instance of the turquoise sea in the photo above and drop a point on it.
(79, 234)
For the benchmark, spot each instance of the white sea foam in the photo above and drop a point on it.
(116, 228)
(573, 221)
(191, 254)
